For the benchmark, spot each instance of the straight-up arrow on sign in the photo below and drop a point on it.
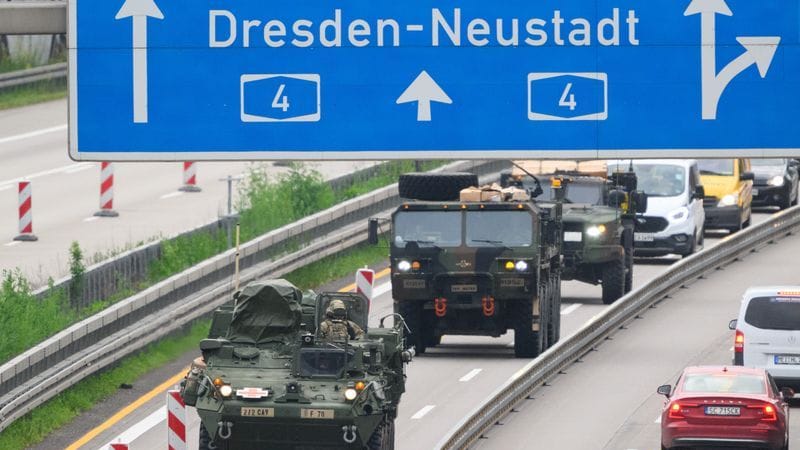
(140, 10)
(424, 90)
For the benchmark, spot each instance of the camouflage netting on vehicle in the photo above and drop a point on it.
(266, 312)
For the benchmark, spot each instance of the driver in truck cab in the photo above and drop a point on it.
(336, 326)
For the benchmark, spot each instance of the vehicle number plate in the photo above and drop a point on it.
(326, 414)
(723, 411)
(414, 284)
(512, 282)
(464, 288)
(755, 192)
(258, 412)
(787, 359)
(644, 237)
(573, 236)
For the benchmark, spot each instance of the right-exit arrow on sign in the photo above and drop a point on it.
(758, 50)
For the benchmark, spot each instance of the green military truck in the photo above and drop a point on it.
(599, 220)
(474, 267)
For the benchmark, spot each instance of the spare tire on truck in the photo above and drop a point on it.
(435, 187)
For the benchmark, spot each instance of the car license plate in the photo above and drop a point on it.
(461, 288)
(573, 236)
(316, 413)
(787, 359)
(258, 412)
(755, 192)
(723, 411)
(414, 284)
(644, 237)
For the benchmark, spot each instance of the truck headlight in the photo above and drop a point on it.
(679, 215)
(225, 390)
(521, 266)
(596, 230)
(729, 200)
(777, 181)
(350, 394)
(403, 266)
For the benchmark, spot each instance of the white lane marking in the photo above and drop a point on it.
(43, 173)
(134, 432)
(20, 137)
(658, 419)
(90, 219)
(79, 168)
(730, 349)
(171, 195)
(470, 375)
(12, 243)
(422, 412)
(380, 290)
(570, 308)
(6, 187)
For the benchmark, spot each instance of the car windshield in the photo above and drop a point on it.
(658, 180)
(591, 193)
(318, 362)
(769, 162)
(774, 313)
(724, 383)
(716, 166)
(499, 228)
(427, 228)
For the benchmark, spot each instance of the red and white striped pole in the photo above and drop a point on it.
(25, 213)
(176, 421)
(107, 191)
(190, 177)
(119, 446)
(364, 281)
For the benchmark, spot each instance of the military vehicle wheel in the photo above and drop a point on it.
(556, 309)
(206, 441)
(435, 186)
(383, 437)
(627, 243)
(527, 343)
(614, 280)
(412, 314)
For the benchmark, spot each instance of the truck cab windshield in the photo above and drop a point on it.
(427, 228)
(499, 229)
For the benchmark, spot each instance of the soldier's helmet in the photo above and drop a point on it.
(338, 309)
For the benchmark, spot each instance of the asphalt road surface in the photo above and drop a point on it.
(33, 146)
(453, 379)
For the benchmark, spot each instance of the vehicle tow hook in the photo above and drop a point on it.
(488, 306)
(225, 430)
(349, 435)
(440, 306)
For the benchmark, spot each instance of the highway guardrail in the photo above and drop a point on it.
(29, 76)
(51, 367)
(570, 349)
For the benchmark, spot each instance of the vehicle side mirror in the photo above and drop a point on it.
(699, 193)
(372, 232)
(794, 163)
(616, 198)
(732, 324)
(747, 176)
(787, 393)
(639, 199)
(665, 390)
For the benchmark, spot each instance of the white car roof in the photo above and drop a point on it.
(670, 162)
(762, 291)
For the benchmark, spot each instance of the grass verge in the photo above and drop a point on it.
(43, 91)
(36, 426)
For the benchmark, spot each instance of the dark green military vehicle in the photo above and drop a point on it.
(267, 381)
(474, 267)
(599, 220)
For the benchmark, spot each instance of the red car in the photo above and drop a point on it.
(727, 407)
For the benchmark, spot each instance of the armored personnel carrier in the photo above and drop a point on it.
(471, 261)
(267, 379)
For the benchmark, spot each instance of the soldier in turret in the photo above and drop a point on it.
(336, 326)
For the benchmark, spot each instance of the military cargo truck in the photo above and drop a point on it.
(266, 379)
(599, 220)
(474, 267)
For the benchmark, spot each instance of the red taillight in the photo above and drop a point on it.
(770, 415)
(738, 342)
(675, 411)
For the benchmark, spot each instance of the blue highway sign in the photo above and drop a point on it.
(379, 79)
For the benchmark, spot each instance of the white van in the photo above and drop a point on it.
(768, 333)
(673, 222)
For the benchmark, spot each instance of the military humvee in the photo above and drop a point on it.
(474, 267)
(266, 380)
